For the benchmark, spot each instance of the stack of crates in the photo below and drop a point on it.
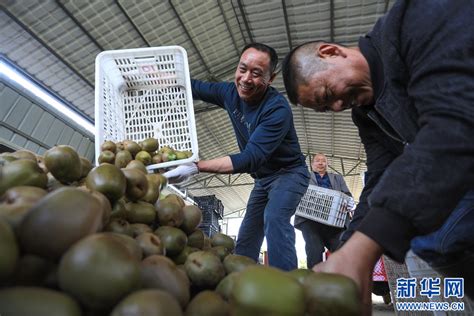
(212, 211)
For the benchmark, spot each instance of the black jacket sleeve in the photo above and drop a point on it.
(380, 151)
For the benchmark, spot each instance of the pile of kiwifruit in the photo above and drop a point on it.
(147, 152)
(78, 240)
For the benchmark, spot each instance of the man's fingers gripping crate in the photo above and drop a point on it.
(324, 206)
(145, 93)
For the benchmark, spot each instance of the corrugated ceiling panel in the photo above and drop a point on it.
(207, 27)
(163, 29)
(54, 27)
(28, 54)
(309, 20)
(106, 23)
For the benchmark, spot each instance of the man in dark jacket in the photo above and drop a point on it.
(319, 235)
(269, 151)
(409, 84)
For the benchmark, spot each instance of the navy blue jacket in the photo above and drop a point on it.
(265, 132)
(419, 135)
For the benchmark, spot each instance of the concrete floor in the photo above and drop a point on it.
(379, 308)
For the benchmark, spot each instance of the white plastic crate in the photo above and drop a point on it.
(324, 205)
(142, 93)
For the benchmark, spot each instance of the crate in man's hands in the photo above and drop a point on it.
(324, 206)
(143, 93)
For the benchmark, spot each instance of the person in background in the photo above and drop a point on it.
(318, 235)
(269, 151)
(409, 85)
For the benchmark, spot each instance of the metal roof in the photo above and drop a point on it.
(56, 42)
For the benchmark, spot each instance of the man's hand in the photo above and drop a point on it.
(351, 205)
(181, 173)
(362, 253)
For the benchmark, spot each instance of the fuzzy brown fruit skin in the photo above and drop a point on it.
(170, 214)
(64, 163)
(148, 302)
(8, 249)
(17, 202)
(139, 228)
(174, 239)
(24, 154)
(223, 240)
(137, 184)
(132, 147)
(108, 145)
(153, 192)
(98, 271)
(106, 157)
(86, 167)
(196, 239)
(136, 164)
(22, 172)
(150, 244)
(140, 212)
(263, 290)
(237, 263)
(204, 269)
(331, 294)
(160, 272)
(225, 286)
(37, 301)
(108, 180)
(207, 303)
(144, 157)
(23, 194)
(192, 218)
(122, 158)
(150, 145)
(119, 226)
(61, 218)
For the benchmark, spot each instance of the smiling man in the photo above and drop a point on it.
(409, 84)
(269, 151)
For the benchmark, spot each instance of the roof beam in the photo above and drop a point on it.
(238, 22)
(234, 42)
(246, 23)
(79, 25)
(206, 109)
(345, 157)
(331, 20)
(335, 170)
(352, 169)
(52, 51)
(385, 9)
(181, 23)
(132, 23)
(240, 211)
(224, 185)
(201, 181)
(332, 131)
(287, 25)
(342, 166)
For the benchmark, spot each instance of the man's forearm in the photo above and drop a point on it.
(217, 165)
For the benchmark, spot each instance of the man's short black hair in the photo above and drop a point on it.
(266, 49)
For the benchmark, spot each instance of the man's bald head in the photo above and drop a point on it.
(299, 65)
